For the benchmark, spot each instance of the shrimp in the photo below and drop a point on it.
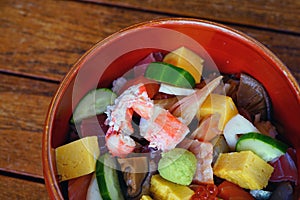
(119, 118)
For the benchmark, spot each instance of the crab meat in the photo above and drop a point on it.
(134, 99)
(119, 118)
(118, 144)
(163, 130)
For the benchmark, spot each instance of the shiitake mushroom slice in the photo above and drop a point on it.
(253, 98)
(133, 172)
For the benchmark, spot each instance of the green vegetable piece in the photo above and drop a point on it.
(107, 178)
(178, 166)
(93, 103)
(264, 146)
(167, 73)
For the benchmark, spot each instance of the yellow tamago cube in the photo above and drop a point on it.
(146, 197)
(244, 168)
(186, 59)
(165, 190)
(77, 158)
(216, 103)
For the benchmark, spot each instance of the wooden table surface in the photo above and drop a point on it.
(40, 40)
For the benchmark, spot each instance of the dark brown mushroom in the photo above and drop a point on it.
(134, 171)
(253, 98)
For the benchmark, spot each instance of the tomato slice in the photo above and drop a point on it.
(231, 191)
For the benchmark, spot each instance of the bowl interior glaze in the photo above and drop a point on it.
(232, 52)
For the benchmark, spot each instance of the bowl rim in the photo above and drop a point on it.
(52, 185)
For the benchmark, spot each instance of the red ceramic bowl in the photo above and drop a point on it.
(231, 51)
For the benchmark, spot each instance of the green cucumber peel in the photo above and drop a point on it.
(107, 178)
(100, 177)
(93, 103)
(167, 73)
(264, 146)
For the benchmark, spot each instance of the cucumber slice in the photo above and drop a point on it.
(107, 178)
(264, 146)
(93, 103)
(167, 73)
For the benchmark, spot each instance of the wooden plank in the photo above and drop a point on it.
(15, 188)
(38, 40)
(21, 153)
(23, 107)
(277, 15)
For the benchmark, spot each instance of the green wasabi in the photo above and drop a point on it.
(178, 166)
